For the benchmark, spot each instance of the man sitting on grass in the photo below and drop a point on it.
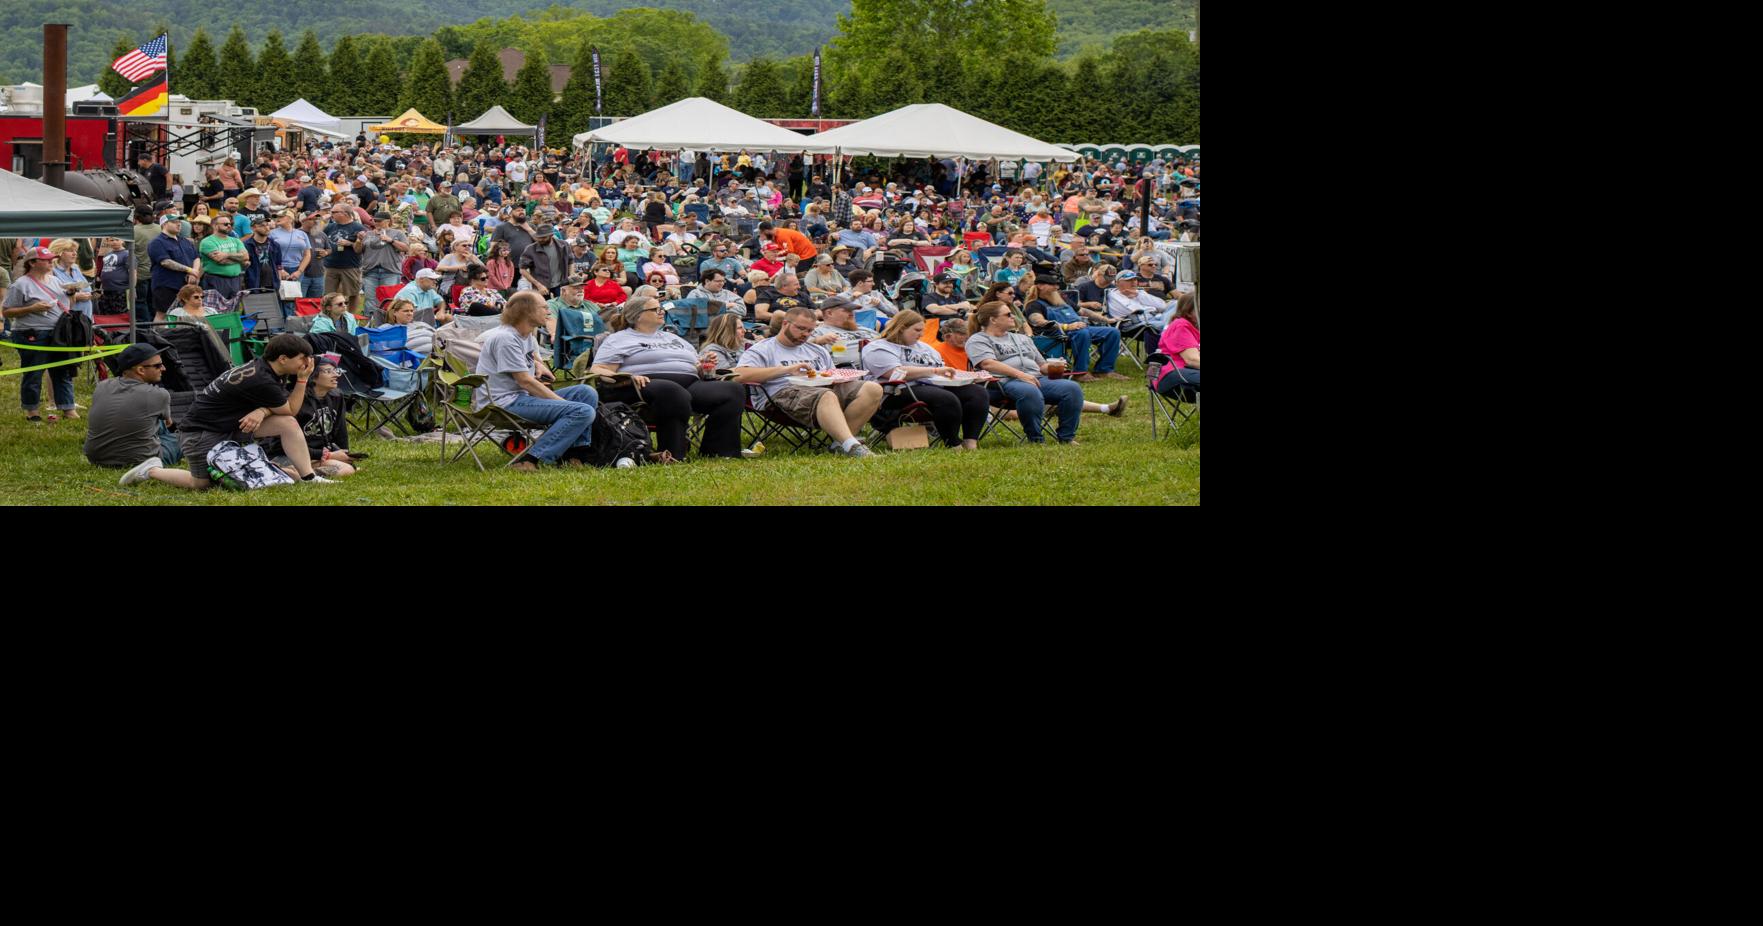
(131, 414)
(244, 404)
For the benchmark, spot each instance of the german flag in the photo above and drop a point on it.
(145, 100)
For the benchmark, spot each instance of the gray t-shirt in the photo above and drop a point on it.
(25, 291)
(647, 354)
(881, 356)
(504, 352)
(377, 252)
(1010, 349)
(850, 339)
(319, 242)
(122, 428)
(771, 352)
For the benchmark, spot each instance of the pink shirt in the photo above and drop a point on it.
(1179, 336)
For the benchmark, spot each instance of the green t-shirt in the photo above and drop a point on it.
(221, 244)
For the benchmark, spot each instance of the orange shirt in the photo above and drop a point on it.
(797, 243)
(952, 355)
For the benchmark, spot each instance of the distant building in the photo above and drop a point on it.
(513, 59)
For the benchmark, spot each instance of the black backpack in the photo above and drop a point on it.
(618, 432)
(73, 330)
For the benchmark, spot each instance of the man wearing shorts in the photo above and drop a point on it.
(342, 269)
(840, 411)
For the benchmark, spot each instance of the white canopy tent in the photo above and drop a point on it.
(309, 115)
(932, 130)
(698, 124)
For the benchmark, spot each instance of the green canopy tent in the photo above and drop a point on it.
(29, 209)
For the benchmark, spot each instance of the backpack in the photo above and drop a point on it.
(243, 467)
(618, 432)
(73, 330)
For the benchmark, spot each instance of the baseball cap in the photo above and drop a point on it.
(136, 354)
(39, 253)
(427, 273)
(1128, 275)
(545, 231)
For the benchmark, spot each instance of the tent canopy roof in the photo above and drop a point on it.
(30, 209)
(307, 114)
(932, 130)
(698, 124)
(411, 121)
(495, 122)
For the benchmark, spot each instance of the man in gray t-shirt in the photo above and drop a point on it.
(516, 382)
(131, 414)
(841, 411)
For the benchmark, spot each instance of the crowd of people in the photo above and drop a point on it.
(1034, 274)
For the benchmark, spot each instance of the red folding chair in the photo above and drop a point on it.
(926, 258)
(307, 306)
(973, 240)
(384, 294)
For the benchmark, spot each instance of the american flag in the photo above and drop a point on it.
(142, 61)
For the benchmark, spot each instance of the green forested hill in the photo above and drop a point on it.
(756, 28)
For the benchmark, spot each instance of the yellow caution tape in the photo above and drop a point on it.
(100, 354)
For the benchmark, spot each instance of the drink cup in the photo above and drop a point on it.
(1055, 369)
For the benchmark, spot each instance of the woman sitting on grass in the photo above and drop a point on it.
(321, 421)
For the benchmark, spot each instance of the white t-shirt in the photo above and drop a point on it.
(517, 171)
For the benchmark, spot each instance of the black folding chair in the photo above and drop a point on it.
(1176, 410)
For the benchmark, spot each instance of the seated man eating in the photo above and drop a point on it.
(840, 411)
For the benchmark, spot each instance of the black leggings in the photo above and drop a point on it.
(958, 412)
(672, 399)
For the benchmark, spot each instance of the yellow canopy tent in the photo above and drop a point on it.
(412, 122)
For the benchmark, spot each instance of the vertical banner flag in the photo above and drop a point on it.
(816, 112)
(447, 136)
(539, 138)
(597, 81)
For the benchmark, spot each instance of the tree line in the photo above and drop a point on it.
(991, 58)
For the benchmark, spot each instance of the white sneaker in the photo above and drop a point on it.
(317, 478)
(859, 451)
(141, 473)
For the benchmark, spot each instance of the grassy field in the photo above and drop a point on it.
(1116, 463)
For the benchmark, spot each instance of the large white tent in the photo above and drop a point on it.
(698, 124)
(932, 130)
(303, 113)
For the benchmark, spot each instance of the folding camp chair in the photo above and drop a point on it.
(927, 258)
(687, 318)
(448, 379)
(384, 294)
(388, 404)
(1176, 410)
(309, 305)
(760, 425)
(1001, 402)
(915, 412)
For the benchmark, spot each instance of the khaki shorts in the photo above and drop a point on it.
(343, 282)
(799, 401)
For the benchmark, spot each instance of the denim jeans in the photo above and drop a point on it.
(1107, 337)
(171, 452)
(1031, 405)
(30, 385)
(372, 280)
(312, 287)
(1187, 379)
(567, 424)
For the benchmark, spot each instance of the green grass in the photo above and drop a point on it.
(1116, 463)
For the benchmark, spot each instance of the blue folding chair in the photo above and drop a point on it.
(866, 318)
(687, 318)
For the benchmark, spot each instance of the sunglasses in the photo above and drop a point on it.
(153, 366)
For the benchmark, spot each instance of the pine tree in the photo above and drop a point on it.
(571, 115)
(110, 83)
(629, 90)
(427, 88)
(380, 81)
(713, 80)
(670, 87)
(198, 77)
(348, 83)
(238, 68)
(274, 90)
(308, 78)
(481, 86)
(530, 99)
(1092, 123)
(761, 90)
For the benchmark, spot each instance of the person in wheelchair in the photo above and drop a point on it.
(1181, 344)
